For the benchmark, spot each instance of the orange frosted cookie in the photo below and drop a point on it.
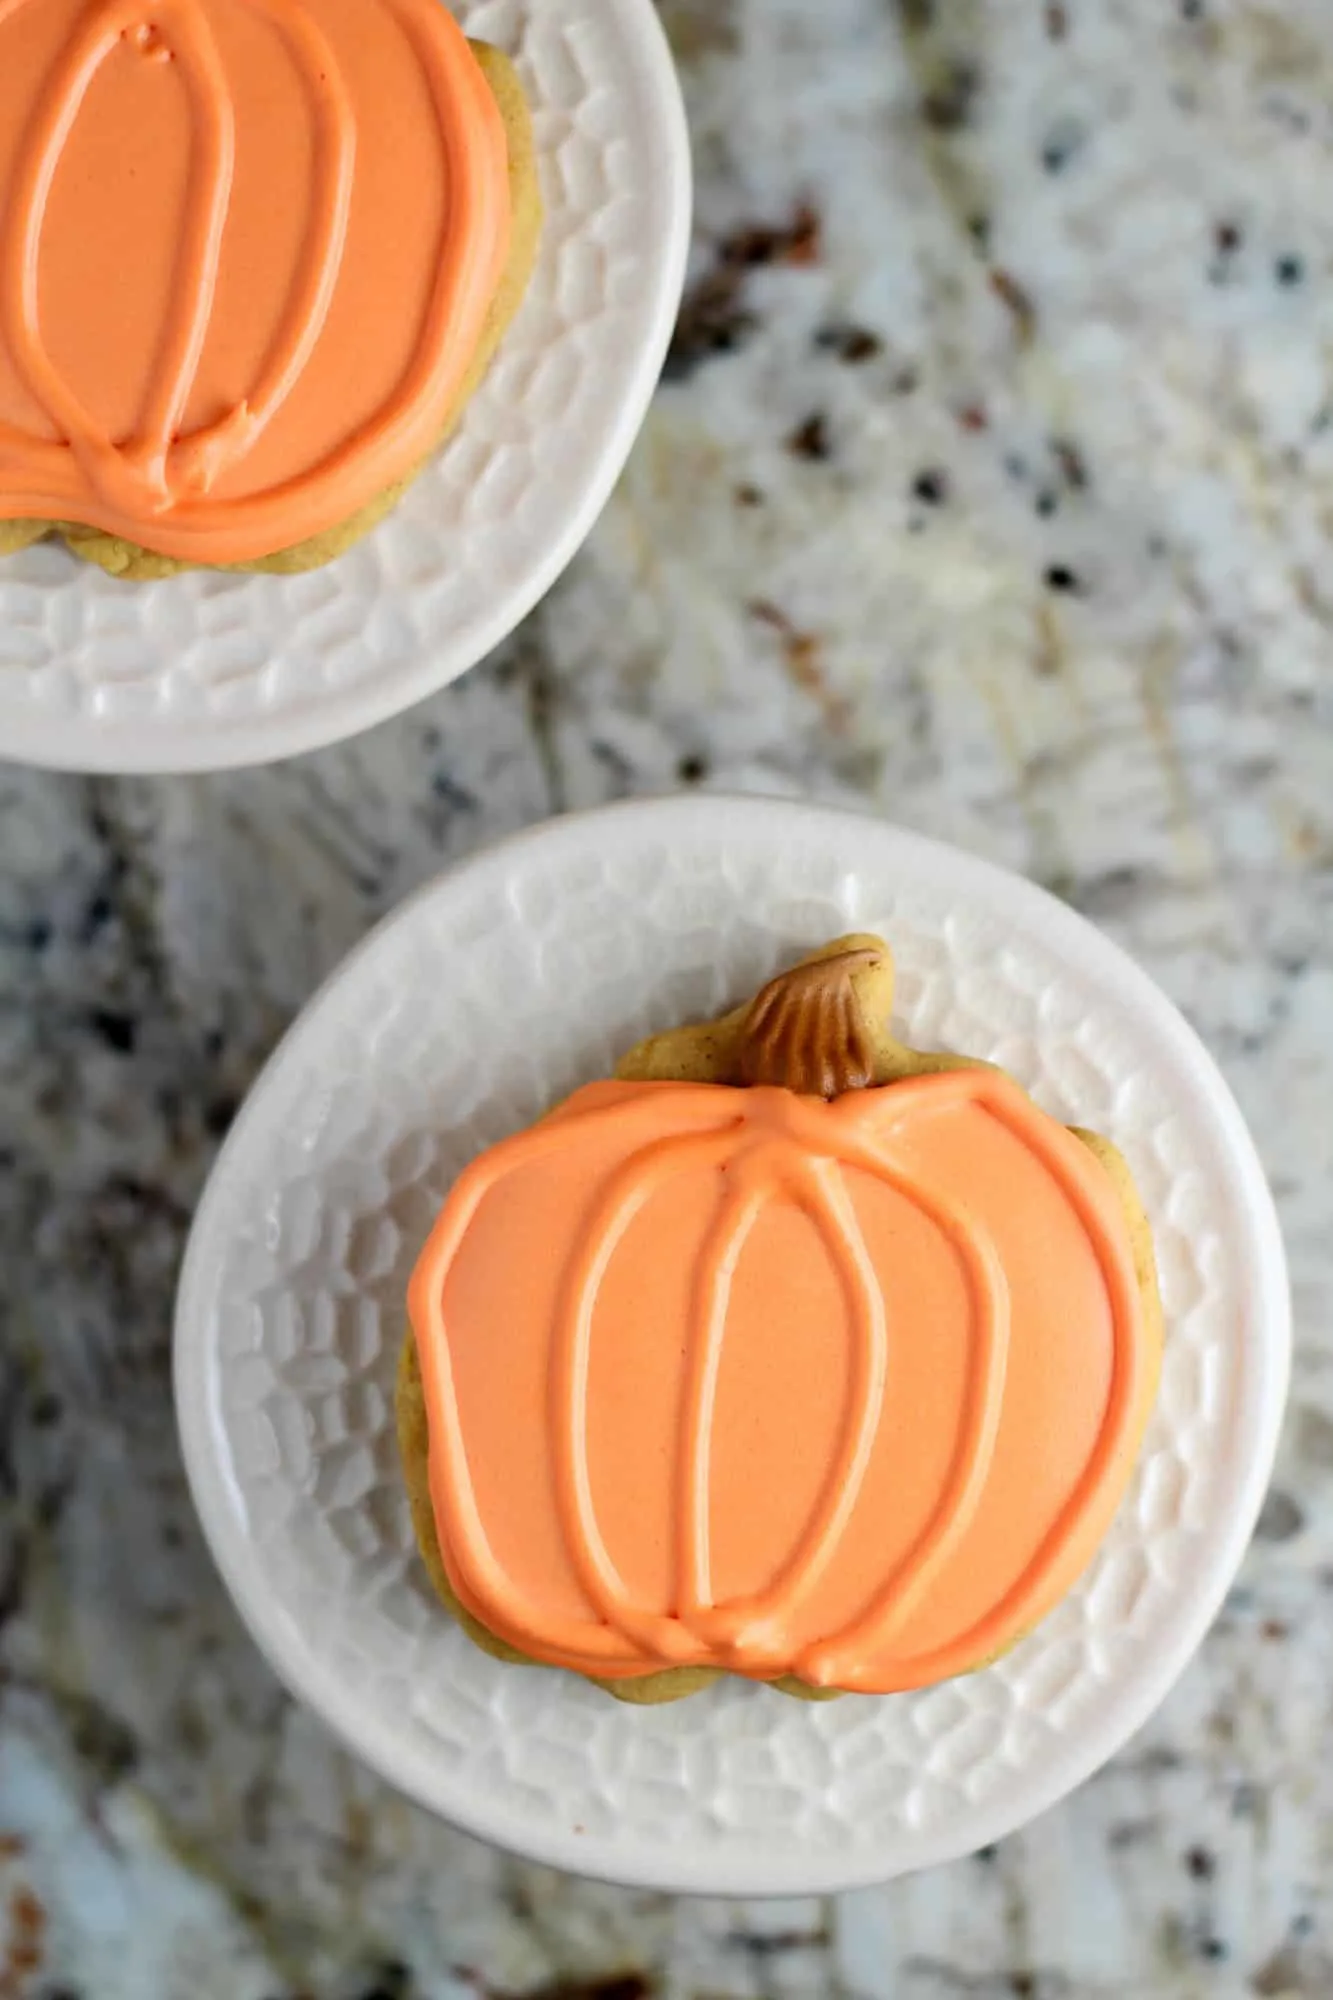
(254, 257)
(789, 1353)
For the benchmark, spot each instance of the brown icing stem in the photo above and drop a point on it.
(806, 1032)
(819, 1029)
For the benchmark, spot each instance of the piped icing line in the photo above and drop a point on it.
(972, 1462)
(468, 276)
(132, 477)
(735, 1215)
(749, 1632)
(199, 460)
(628, 1192)
(771, 1144)
(472, 1565)
(838, 1662)
(157, 486)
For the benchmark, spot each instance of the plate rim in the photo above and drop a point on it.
(32, 737)
(1176, 1639)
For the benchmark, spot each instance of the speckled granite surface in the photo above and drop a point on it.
(992, 488)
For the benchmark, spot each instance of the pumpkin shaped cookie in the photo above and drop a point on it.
(789, 1353)
(254, 257)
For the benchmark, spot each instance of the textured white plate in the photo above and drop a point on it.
(489, 995)
(209, 670)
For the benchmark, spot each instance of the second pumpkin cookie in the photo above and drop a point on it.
(790, 1352)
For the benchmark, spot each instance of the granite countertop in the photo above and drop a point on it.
(991, 487)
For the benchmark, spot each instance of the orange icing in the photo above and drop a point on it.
(740, 1378)
(247, 249)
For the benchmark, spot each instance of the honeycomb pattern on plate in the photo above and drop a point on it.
(501, 989)
(209, 667)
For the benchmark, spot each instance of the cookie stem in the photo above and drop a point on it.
(807, 1030)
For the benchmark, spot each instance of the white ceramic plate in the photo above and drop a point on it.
(209, 670)
(489, 995)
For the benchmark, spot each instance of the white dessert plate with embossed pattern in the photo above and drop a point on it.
(210, 669)
(482, 1001)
